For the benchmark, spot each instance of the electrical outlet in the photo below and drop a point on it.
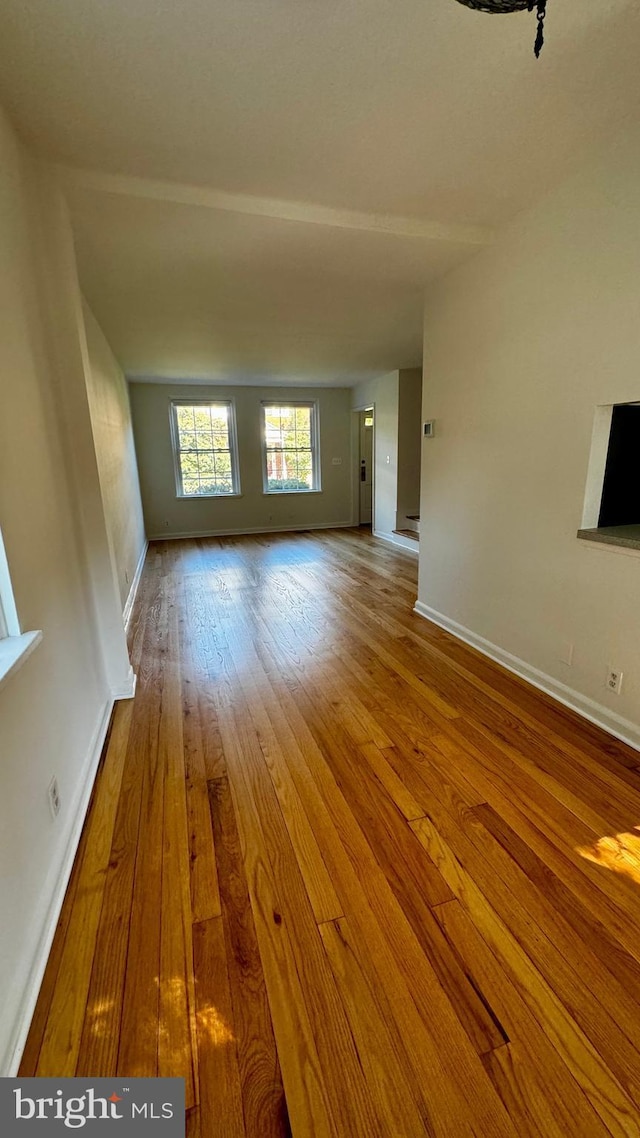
(614, 680)
(54, 797)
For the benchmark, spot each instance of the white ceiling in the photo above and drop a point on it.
(194, 112)
(193, 291)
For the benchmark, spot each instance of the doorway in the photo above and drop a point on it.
(365, 466)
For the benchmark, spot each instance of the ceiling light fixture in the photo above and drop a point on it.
(501, 6)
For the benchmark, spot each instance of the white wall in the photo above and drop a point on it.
(115, 453)
(54, 710)
(169, 516)
(521, 345)
(383, 393)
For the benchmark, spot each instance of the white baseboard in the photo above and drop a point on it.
(56, 892)
(127, 689)
(255, 529)
(128, 607)
(399, 541)
(597, 713)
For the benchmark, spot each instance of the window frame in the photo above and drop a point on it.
(4, 631)
(174, 404)
(314, 426)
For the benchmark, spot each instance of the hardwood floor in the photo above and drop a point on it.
(343, 874)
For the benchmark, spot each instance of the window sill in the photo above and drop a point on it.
(625, 537)
(14, 650)
(206, 497)
(279, 493)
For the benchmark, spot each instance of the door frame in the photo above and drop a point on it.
(355, 465)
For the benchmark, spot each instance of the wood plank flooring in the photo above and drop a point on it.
(343, 874)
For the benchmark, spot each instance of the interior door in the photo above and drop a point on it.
(366, 467)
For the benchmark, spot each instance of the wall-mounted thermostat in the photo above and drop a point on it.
(428, 428)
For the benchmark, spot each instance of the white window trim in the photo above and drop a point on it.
(15, 646)
(233, 444)
(14, 650)
(315, 444)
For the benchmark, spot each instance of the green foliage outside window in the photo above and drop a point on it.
(289, 444)
(203, 436)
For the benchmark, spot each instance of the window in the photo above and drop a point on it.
(14, 646)
(9, 625)
(204, 448)
(291, 456)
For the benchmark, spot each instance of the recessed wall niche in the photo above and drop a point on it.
(620, 502)
(612, 498)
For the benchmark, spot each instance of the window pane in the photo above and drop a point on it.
(206, 462)
(202, 418)
(223, 464)
(188, 440)
(189, 465)
(185, 418)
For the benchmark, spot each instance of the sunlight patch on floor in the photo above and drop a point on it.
(98, 1015)
(618, 852)
(212, 1024)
